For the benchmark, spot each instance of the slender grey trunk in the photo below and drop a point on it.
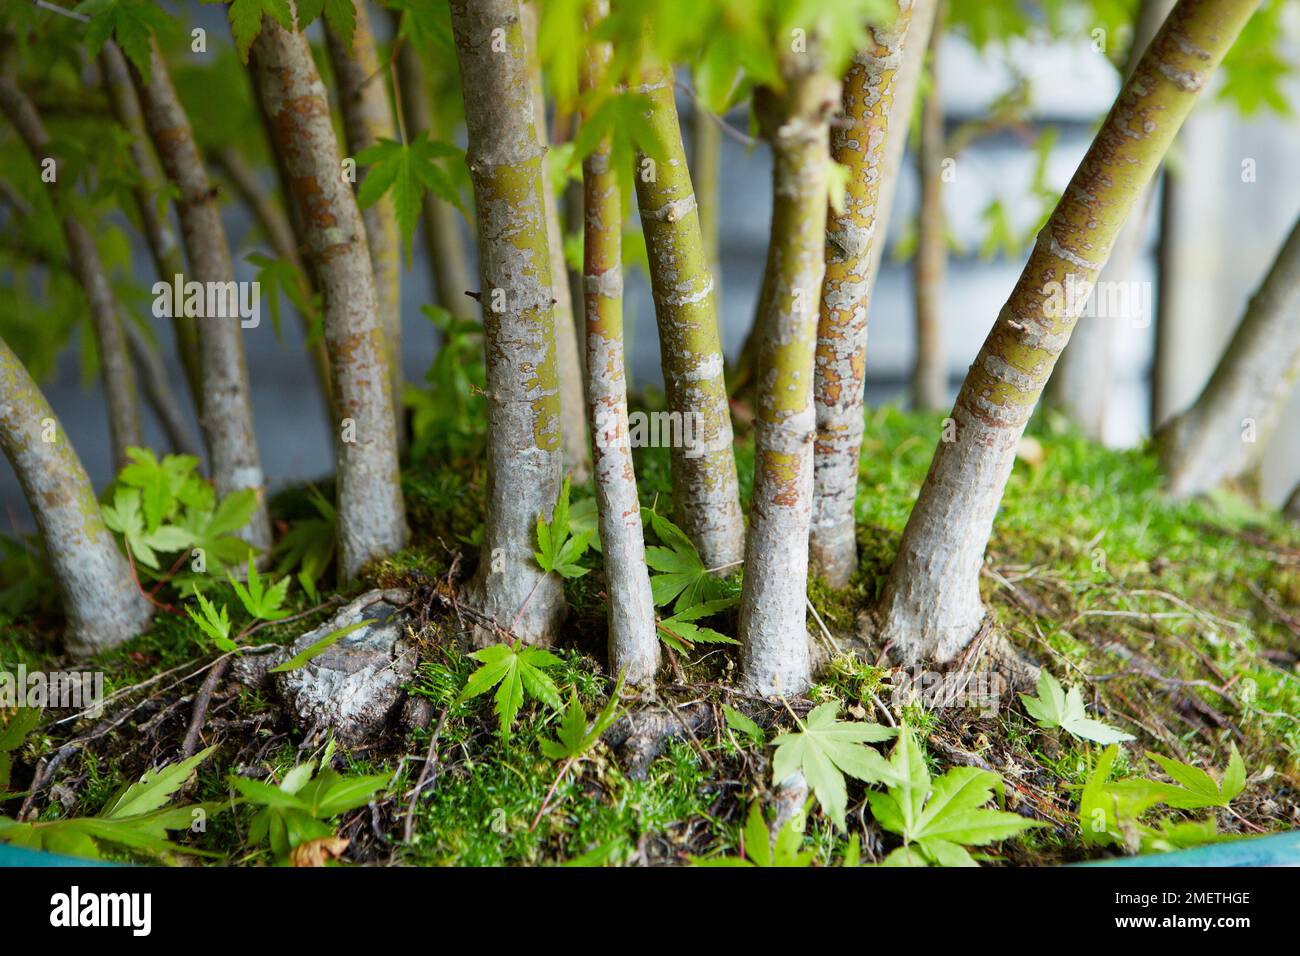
(1218, 436)
(524, 439)
(103, 604)
(158, 392)
(1080, 386)
(114, 362)
(368, 118)
(861, 144)
(774, 637)
(226, 416)
(931, 605)
(633, 643)
(371, 512)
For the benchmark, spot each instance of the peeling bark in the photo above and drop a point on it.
(226, 415)
(524, 440)
(1218, 436)
(930, 370)
(773, 633)
(103, 605)
(861, 145)
(633, 643)
(573, 419)
(164, 246)
(442, 240)
(114, 362)
(1080, 385)
(706, 497)
(931, 607)
(368, 118)
(371, 513)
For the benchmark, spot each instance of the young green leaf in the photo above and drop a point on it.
(558, 550)
(514, 669)
(1196, 788)
(1053, 707)
(681, 634)
(574, 737)
(260, 601)
(408, 171)
(212, 622)
(742, 724)
(824, 749)
(154, 789)
(760, 850)
(246, 20)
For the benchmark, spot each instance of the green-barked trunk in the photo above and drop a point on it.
(633, 643)
(859, 143)
(931, 607)
(371, 513)
(706, 497)
(103, 604)
(773, 635)
(524, 438)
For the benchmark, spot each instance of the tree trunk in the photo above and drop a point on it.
(226, 416)
(368, 118)
(861, 145)
(573, 419)
(930, 369)
(931, 606)
(114, 362)
(103, 604)
(280, 233)
(633, 643)
(164, 247)
(773, 633)
(907, 85)
(1215, 439)
(371, 513)
(1080, 385)
(505, 159)
(442, 240)
(158, 391)
(706, 497)
(1292, 507)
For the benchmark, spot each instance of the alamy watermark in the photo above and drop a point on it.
(653, 430)
(73, 690)
(209, 300)
(1107, 299)
(982, 690)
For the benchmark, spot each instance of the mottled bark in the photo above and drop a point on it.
(633, 643)
(573, 418)
(929, 368)
(1080, 386)
(368, 118)
(931, 606)
(164, 246)
(103, 604)
(1218, 436)
(226, 415)
(773, 634)
(505, 160)
(114, 362)
(442, 239)
(371, 513)
(860, 143)
(280, 232)
(706, 497)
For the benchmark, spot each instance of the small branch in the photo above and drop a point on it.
(201, 701)
(426, 775)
